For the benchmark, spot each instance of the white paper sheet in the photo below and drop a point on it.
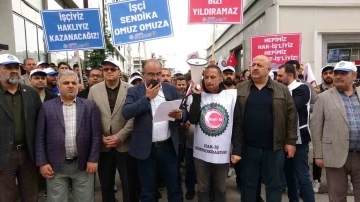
(163, 110)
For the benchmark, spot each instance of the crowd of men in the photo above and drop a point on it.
(67, 129)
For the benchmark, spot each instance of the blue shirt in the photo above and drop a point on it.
(352, 109)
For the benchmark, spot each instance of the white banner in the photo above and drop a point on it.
(212, 141)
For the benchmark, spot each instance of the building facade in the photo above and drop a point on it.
(330, 30)
(21, 29)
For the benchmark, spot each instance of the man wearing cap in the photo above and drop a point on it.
(229, 76)
(38, 81)
(42, 65)
(327, 75)
(19, 108)
(135, 73)
(51, 80)
(136, 80)
(335, 130)
(109, 97)
(95, 77)
(52, 65)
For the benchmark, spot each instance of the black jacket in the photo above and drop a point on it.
(301, 97)
(84, 94)
(49, 95)
(32, 104)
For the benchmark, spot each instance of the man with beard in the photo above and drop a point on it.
(51, 80)
(38, 81)
(327, 75)
(19, 108)
(229, 77)
(296, 169)
(165, 76)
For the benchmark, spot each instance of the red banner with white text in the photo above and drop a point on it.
(278, 47)
(215, 11)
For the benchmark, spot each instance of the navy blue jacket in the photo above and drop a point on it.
(139, 107)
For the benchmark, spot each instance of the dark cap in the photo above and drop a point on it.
(324, 69)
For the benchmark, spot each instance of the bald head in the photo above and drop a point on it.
(265, 59)
(151, 62)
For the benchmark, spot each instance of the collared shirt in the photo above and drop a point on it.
(352, 108)
(69, 111)
(112, 96)
(160, 130)
(16, 108)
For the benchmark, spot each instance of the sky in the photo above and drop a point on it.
(187, 38)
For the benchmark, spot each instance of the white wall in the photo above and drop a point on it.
(316, 22)
(259, 19)
(7, 27)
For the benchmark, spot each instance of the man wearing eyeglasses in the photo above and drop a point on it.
(154, 145)
(109, 97)
(19, 108)
(95, 77)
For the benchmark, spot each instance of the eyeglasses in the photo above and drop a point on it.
(111, 69)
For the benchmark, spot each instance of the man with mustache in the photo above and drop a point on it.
(335, 132)
(19, 108)
(327, 75)
(67, 143)
(165, 76)
(38, 81)
(229, 77)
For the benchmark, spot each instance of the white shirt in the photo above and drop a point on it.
(69, 111)
(160, 131)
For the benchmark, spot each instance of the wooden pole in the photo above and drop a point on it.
(144, 50)
(213, 44)
(80, 69)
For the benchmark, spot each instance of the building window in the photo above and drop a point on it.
(31, 40)
(20, 42)
(28, 39)
(38, 4)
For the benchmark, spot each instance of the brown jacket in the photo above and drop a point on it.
(284, 112)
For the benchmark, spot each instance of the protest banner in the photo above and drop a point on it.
(279, 47)
(137, 20)
(215, 12)
(193, 55)
(72, 29)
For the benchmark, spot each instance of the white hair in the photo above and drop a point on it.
(67, 73)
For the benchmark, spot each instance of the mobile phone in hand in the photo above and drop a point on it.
(154, 83)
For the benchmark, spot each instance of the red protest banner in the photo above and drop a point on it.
(278, 47)
(215, 11)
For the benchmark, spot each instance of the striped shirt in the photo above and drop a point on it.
(69, 111)
(352, 109)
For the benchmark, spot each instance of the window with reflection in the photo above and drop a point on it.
(31, 40)
(41, 43)
(55, 4)
(20, 42)
(38, 4)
